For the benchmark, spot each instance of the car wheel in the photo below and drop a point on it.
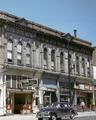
(53, 117)
(72, 117)
(40, 118)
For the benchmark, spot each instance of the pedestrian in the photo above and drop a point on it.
(82, 104)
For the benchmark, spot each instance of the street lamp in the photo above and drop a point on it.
(69, 38)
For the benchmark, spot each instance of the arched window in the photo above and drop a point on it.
(19, 53)
(88, 67)
(28, 54)
(45, 58)
(53, 60)
(61, 58)
(9, 51)
(62, 61)
(70, 62)
(45, 53)
(83, 66)
(52, 55)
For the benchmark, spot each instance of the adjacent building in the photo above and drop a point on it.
(36, 63)
(94, 70)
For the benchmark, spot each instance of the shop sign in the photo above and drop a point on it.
(91, 88)
(82, 86)
(87, 87)
(27, 83)
(63, 89)
(94, 88)
(76, 87)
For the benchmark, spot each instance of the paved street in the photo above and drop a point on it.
(86, 118)
(80, 116)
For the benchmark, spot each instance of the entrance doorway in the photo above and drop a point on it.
(20, 101)
(49, 97)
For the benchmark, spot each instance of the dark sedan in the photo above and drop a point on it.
(58, 110)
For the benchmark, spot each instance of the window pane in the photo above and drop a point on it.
(45, 54)
(9, 55)
(53, 55)
(9, 46)
(19, 56)
(61, 57)
(27, 59)
(88, 63)
(19, 48)
(28, 49)
(8, 81)
(13, 81)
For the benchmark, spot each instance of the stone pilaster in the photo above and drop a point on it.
(24, 53)
(15, 51)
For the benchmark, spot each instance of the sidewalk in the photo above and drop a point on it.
(33, 116)
(86, 113)
(19, 117)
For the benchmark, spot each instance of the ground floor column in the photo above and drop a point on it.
(41, 102)
(2, 95)
(75, 98)
(93, 97)
(58, 92)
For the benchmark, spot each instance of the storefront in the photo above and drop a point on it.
(20, 90)
(49, 97)
(64, 91)
(19, 102)
(48, 92)
(84, 93)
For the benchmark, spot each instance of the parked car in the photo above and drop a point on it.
(58, 110)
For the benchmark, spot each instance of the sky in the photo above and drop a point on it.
(62, 15)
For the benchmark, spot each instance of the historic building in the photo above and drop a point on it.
(39, 65)
(94, 71)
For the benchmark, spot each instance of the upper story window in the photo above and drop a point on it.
(28, 54)
(83, 66)
(53, 60)
(62, 61)
(70, 62)
(19, 53)
(9, 51)
(61, 58)
(45, 53)
(53, 56)
(77, 64)
(88, 67)
(45, 58)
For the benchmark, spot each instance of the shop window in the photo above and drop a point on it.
(8, 81)
(13, 81)
(37, 101)
(9, 51)
(19, 85)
